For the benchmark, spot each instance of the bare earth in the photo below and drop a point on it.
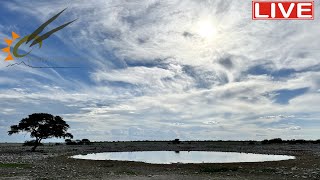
(53, 162)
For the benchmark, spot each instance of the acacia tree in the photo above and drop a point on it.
(42, 126)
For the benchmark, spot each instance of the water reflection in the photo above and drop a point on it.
(169, 157)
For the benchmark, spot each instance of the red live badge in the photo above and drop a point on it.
(282, 10)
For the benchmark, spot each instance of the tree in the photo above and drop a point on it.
(85, 141)
(42, 126)
(68, 141)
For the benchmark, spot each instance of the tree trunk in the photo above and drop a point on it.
(36, 145)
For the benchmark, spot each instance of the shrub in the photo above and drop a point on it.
(301, 141)
(70, 142)
(218, 169)
(176, 141)
(293, 141)
(275, 141)
(86, 141)
(266, 141)
(78, 142)
(272, 141)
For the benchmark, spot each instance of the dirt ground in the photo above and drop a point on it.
(54, 162)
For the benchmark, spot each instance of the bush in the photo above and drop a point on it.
(86, 141)
(272, 141)
(70, 142)
(266, 141)
(275, 141)
(292, 141)
(31, 143)
(218, 169)
(176, 141)
(78, 142)
(301, 141)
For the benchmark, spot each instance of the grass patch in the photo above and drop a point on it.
(14, 165)
(129, 172)
(217, 169)
(268, 170)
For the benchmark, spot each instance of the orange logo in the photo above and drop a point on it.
(9, 42)
(35, 37)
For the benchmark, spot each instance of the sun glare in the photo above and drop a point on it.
(206, 29)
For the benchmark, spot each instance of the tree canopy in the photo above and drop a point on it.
(42, 126)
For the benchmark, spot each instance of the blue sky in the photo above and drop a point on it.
(158, 70)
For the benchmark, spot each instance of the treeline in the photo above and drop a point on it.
(178, 141)
(293, 141)
(78, 142)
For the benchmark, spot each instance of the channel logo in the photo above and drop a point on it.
(34, 37)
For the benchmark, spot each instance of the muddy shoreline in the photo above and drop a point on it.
(54, 162)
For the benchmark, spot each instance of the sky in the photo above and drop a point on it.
(163, 69)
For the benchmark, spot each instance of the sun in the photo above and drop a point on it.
(206, 29)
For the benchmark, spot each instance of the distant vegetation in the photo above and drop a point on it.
(250, 142)
(293, 141)
(176, 141)
(218, 169)
(78, 142)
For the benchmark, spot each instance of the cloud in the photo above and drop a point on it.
(134, 75)
(295, 128)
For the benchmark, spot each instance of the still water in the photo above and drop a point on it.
(169, 157)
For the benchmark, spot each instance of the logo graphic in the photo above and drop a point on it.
(34, 37)
(282, 10)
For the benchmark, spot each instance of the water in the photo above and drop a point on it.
(169, 157)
